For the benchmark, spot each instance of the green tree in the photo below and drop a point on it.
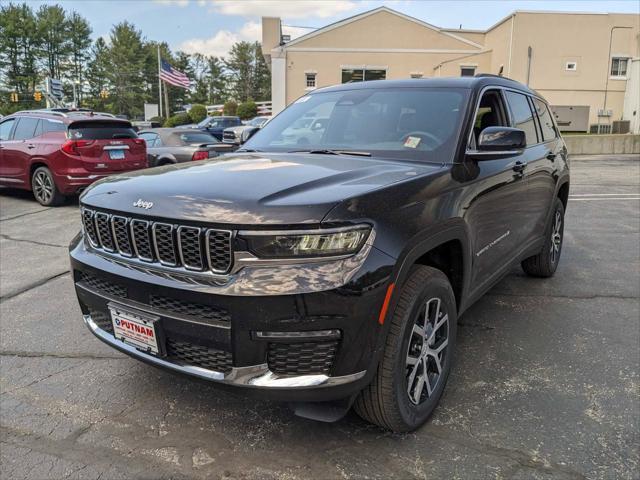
(97, 74)
(52, 28)
(247, 110)
(79, 33)
(230, 107)
(197, 113)
(126, 70)
(217, 81)
(248, 72)
(19, 47)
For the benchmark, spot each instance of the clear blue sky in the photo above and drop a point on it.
(211, 26)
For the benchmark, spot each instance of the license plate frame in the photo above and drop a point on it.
(116, 154)
(136, 328)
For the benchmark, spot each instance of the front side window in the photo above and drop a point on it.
(491, 113)
(25, 128)
(5, 129)
(310, 80)
(362, 75)
(522, 116)
(619, 67)
(411, 123)
(467, 71)
(546, 123)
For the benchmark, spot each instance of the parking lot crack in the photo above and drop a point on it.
(23, 215)
(37, 284)
(35, 242)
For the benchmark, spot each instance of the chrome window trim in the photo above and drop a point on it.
(102, 245)
(208, 250)
(133, 238)
(115, 237)
(155, 243)
(184, 264)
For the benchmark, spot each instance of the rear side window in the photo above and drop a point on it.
(101, 131)
(196, 137)
(53, 126)
(546, 123)
(5, 129)
(522, 116)
(25, 128)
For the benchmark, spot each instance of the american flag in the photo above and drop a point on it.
(173, 76)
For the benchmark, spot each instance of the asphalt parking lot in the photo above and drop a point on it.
(546, 383)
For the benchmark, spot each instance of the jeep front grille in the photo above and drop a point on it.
(178, 246)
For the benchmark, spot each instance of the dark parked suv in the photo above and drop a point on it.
(59, 153)
(330, 274)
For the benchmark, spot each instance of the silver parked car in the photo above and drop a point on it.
(233, 135)
(176, 145)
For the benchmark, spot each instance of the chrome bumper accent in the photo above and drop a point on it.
(253, 376)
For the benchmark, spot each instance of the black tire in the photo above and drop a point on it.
(545, 263)
(385, 402)
(44, 188)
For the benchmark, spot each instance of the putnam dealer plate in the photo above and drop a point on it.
(134, 328)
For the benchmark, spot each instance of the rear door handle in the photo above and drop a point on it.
(551, 156)
(31, 145)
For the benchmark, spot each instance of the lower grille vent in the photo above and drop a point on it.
(199, 356)
(190, 309)
(301, 358)
(103, 286)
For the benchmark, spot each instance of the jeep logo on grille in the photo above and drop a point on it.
(143, 204)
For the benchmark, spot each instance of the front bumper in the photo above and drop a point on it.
(286, 369)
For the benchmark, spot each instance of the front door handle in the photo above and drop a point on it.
(31, 145)
(519, 166)
(551, 156)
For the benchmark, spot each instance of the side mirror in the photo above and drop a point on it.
(247, 133)
(500, 139)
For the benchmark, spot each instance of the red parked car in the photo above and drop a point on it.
(57, 153)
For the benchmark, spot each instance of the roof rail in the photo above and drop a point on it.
(44, 110)
(491, 75)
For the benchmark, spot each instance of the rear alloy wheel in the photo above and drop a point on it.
(545, 263)
(44, 188)
(418, 354)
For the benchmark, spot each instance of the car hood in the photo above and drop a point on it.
(250, 188)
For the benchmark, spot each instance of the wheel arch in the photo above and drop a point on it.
(448, 250)
(35, 164)
(563, 193)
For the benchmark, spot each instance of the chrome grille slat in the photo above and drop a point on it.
(120, 229)
(190, 248)
(163, 244)
(103, 228)
(174, 246)
(141, 240)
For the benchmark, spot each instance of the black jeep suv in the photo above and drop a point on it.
(329, 269)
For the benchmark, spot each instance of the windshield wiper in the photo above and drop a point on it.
(327, 151)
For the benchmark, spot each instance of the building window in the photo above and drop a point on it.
(571, 66)
(350, 75)
(619, 67)
(467, 71)
(416, 75)
(310, 80)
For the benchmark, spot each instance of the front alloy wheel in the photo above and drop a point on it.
(420, 339)
(426, 351)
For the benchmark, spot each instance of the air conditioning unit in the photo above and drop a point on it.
(621, 126)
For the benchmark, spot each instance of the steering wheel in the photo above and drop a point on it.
(424, 136)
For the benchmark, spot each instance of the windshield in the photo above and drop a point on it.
(206, 122)
(411, 123)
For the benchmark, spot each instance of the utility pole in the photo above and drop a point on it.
(159, 82)
(606, 84)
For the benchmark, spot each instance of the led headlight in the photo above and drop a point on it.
(312, 243)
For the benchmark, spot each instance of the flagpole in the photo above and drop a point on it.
(159, 83)
(166, 101)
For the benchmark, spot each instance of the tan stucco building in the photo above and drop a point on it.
(572, 59)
